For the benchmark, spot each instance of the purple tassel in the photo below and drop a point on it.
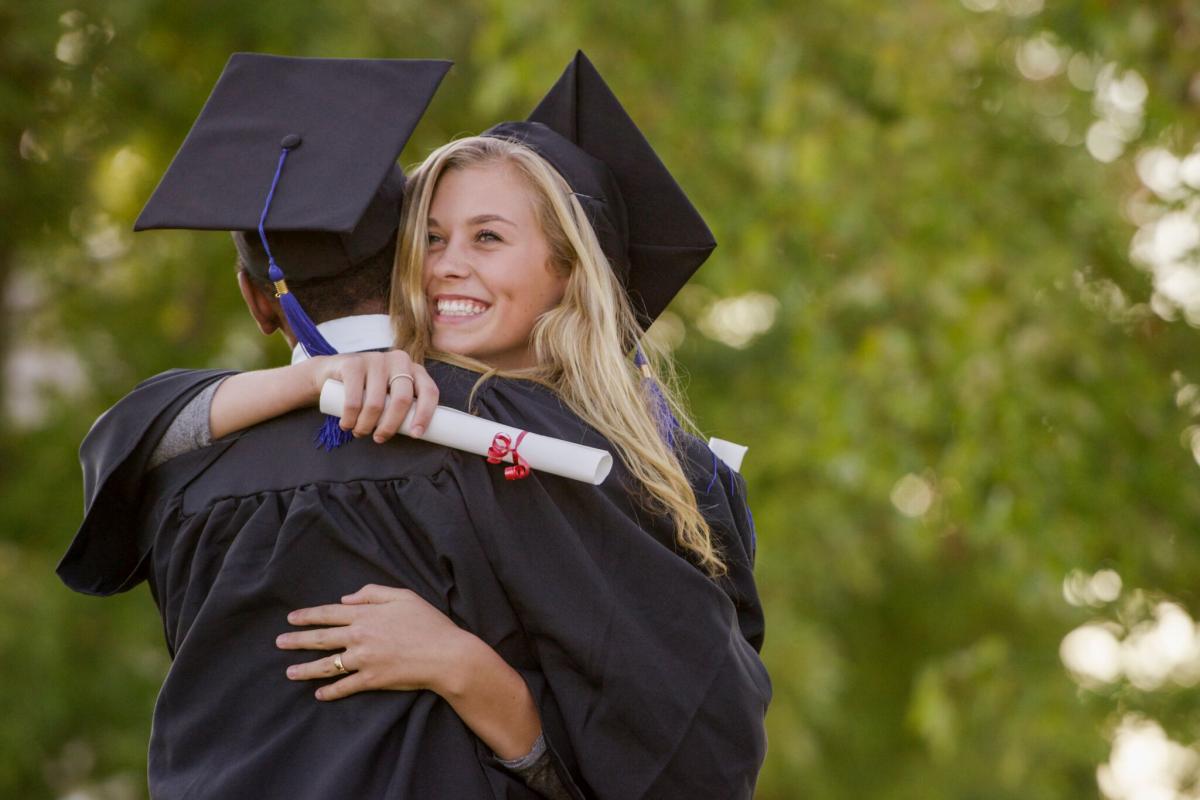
(733, 492)
(301, 324)
(749, 513)
(713, 480)
(330, 435)
(661, 409)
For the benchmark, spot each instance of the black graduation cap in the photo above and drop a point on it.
(341, 122)
(652, 234)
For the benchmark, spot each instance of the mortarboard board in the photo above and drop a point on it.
(338, 201)
(303, 148)
(653, 236)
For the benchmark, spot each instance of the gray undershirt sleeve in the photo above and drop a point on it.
(536, 770)
(189, 431)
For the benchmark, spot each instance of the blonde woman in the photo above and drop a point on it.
(528, 265)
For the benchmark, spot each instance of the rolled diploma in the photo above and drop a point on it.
(452, 428)
(732, 454)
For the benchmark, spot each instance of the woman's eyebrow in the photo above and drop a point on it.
(479, 220)
(482, 218)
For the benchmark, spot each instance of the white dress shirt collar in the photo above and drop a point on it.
(352, 334)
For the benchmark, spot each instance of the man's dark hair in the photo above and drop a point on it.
(362, 288)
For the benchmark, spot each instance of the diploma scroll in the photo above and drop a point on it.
(452, 428)
(729, 452)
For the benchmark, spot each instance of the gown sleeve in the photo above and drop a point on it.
(104, 558)
(660, 692)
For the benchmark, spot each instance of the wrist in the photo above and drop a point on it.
(490, 697)
(313, 374)
(466, 658)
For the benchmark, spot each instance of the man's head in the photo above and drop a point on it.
(362, 289)
(297, 157)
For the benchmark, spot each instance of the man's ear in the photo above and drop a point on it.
(261, 305)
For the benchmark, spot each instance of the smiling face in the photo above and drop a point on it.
(487, 273)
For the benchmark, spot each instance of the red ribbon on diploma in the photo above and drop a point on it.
(503, 446)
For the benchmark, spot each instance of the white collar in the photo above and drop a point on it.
(352, 334)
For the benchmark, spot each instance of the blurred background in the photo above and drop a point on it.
(953, 314)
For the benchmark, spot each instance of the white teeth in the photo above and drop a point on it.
(460, 308)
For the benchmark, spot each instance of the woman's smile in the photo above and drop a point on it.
(453, 310)
(487, 272)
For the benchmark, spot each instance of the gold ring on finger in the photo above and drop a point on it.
(337, 663)
(403, 375)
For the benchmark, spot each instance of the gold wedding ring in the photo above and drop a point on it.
(337, 663)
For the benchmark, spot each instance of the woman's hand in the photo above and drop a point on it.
(391, 638)
(369, 378)
(248, 398)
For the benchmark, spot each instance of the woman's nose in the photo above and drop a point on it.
(453, 262)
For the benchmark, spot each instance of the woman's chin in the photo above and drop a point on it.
(456, 343)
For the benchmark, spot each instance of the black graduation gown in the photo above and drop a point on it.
(645, 671)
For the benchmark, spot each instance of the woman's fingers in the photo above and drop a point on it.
(319, 639)
(380, 389)
(331, 614)
(351, 684)
(427, 400)
(323, 638)
(409, 388)
(393, 638)
(401, 383)
(374, 593)
(353, 377)
(374, 393)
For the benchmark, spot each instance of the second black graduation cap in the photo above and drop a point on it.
(339, 195)
(654, 237)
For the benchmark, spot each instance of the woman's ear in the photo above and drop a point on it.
(259, 302)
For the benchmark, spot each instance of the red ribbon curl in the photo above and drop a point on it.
(502, 446)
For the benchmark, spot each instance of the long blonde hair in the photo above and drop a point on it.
(581, 346)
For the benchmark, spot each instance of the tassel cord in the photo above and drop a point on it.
(330, 435)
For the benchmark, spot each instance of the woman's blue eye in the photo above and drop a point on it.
(433, 238)
(487, 236)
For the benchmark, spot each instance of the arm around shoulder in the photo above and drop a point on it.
(252, 397)
(249, 398)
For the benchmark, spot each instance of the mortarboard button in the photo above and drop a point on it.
(338, 202)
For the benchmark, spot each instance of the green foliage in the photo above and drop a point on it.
(963, 396)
